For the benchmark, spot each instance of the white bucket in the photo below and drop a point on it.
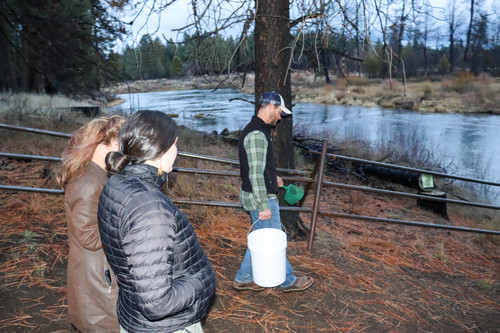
(268, 251)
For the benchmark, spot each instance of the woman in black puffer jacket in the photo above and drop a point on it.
(166, 281)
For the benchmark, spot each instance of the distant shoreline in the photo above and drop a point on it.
(449, 95)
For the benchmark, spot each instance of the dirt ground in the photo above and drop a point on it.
(370, 276)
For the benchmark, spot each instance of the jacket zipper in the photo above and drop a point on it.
(107, 274)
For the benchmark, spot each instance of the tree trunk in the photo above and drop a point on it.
(452, 54)
(426, 31)
(469, 33)
(272, 58)
(452, 26)
(325, 64)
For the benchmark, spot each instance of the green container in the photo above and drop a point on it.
(293, 194)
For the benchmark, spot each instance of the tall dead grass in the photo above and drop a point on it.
(24, 106)
(461, 93)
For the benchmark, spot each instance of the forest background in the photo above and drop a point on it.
(69, 46)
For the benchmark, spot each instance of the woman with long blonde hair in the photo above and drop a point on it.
(92, 287)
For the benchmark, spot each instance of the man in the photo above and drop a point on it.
(260, 184)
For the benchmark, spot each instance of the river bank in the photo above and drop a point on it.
(459, 94)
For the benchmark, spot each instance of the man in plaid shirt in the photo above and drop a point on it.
(260, 184)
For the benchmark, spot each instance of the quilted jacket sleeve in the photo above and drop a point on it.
(148, 243)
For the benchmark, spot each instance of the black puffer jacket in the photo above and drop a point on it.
(166, 281)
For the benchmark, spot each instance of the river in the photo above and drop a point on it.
(467, 145)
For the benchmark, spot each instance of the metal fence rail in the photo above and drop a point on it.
(292, 209)
(319, 170)
(404, 168)
(236, 162)
(31, 189)
(30, 157)
(180, 153)
(35, 130)
(293, 179)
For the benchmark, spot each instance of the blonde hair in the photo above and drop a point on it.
(82, 145)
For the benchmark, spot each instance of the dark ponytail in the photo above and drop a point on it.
(145, 135)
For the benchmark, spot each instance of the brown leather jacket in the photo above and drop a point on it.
(92, 287)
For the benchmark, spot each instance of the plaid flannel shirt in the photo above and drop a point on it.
(255, 145)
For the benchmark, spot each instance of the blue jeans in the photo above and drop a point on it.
(244, 274)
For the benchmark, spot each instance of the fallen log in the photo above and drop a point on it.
(424, 185)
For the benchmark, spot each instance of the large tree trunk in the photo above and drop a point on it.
(272, 58)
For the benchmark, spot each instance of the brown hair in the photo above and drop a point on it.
(82, 145)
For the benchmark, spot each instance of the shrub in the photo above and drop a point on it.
(444, 65)
(358, 90)
(372, 65)
(427, 89)
(328, 88)
(389, 86)
(176, 67)
(463, 82)
(341, 84)
(356, 80)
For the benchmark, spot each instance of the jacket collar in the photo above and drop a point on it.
(146, 173)
(98, 172)
(261, 122)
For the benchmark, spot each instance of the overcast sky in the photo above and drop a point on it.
(176, 16)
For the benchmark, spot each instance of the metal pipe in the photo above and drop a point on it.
(308, 183)
(307, 180)
(295, 179)
(234, 162)
(34, 130)
(30, 157)
(419, 224)
(31, 189)
(231, 161)
(312, 229)
(296, 209)
(178, 169)
(207, 203)
(207, 172)
(180, 153)
(395, 193)
(410, 195)
(209, 158)
(399, 167)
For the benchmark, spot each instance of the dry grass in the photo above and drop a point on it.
(205, 82)
(463, 93)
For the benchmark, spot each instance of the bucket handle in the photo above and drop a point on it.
(251, 227)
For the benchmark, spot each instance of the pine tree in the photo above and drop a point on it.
(444, 65)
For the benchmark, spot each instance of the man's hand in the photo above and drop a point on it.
(265, 215)
(280, 181)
